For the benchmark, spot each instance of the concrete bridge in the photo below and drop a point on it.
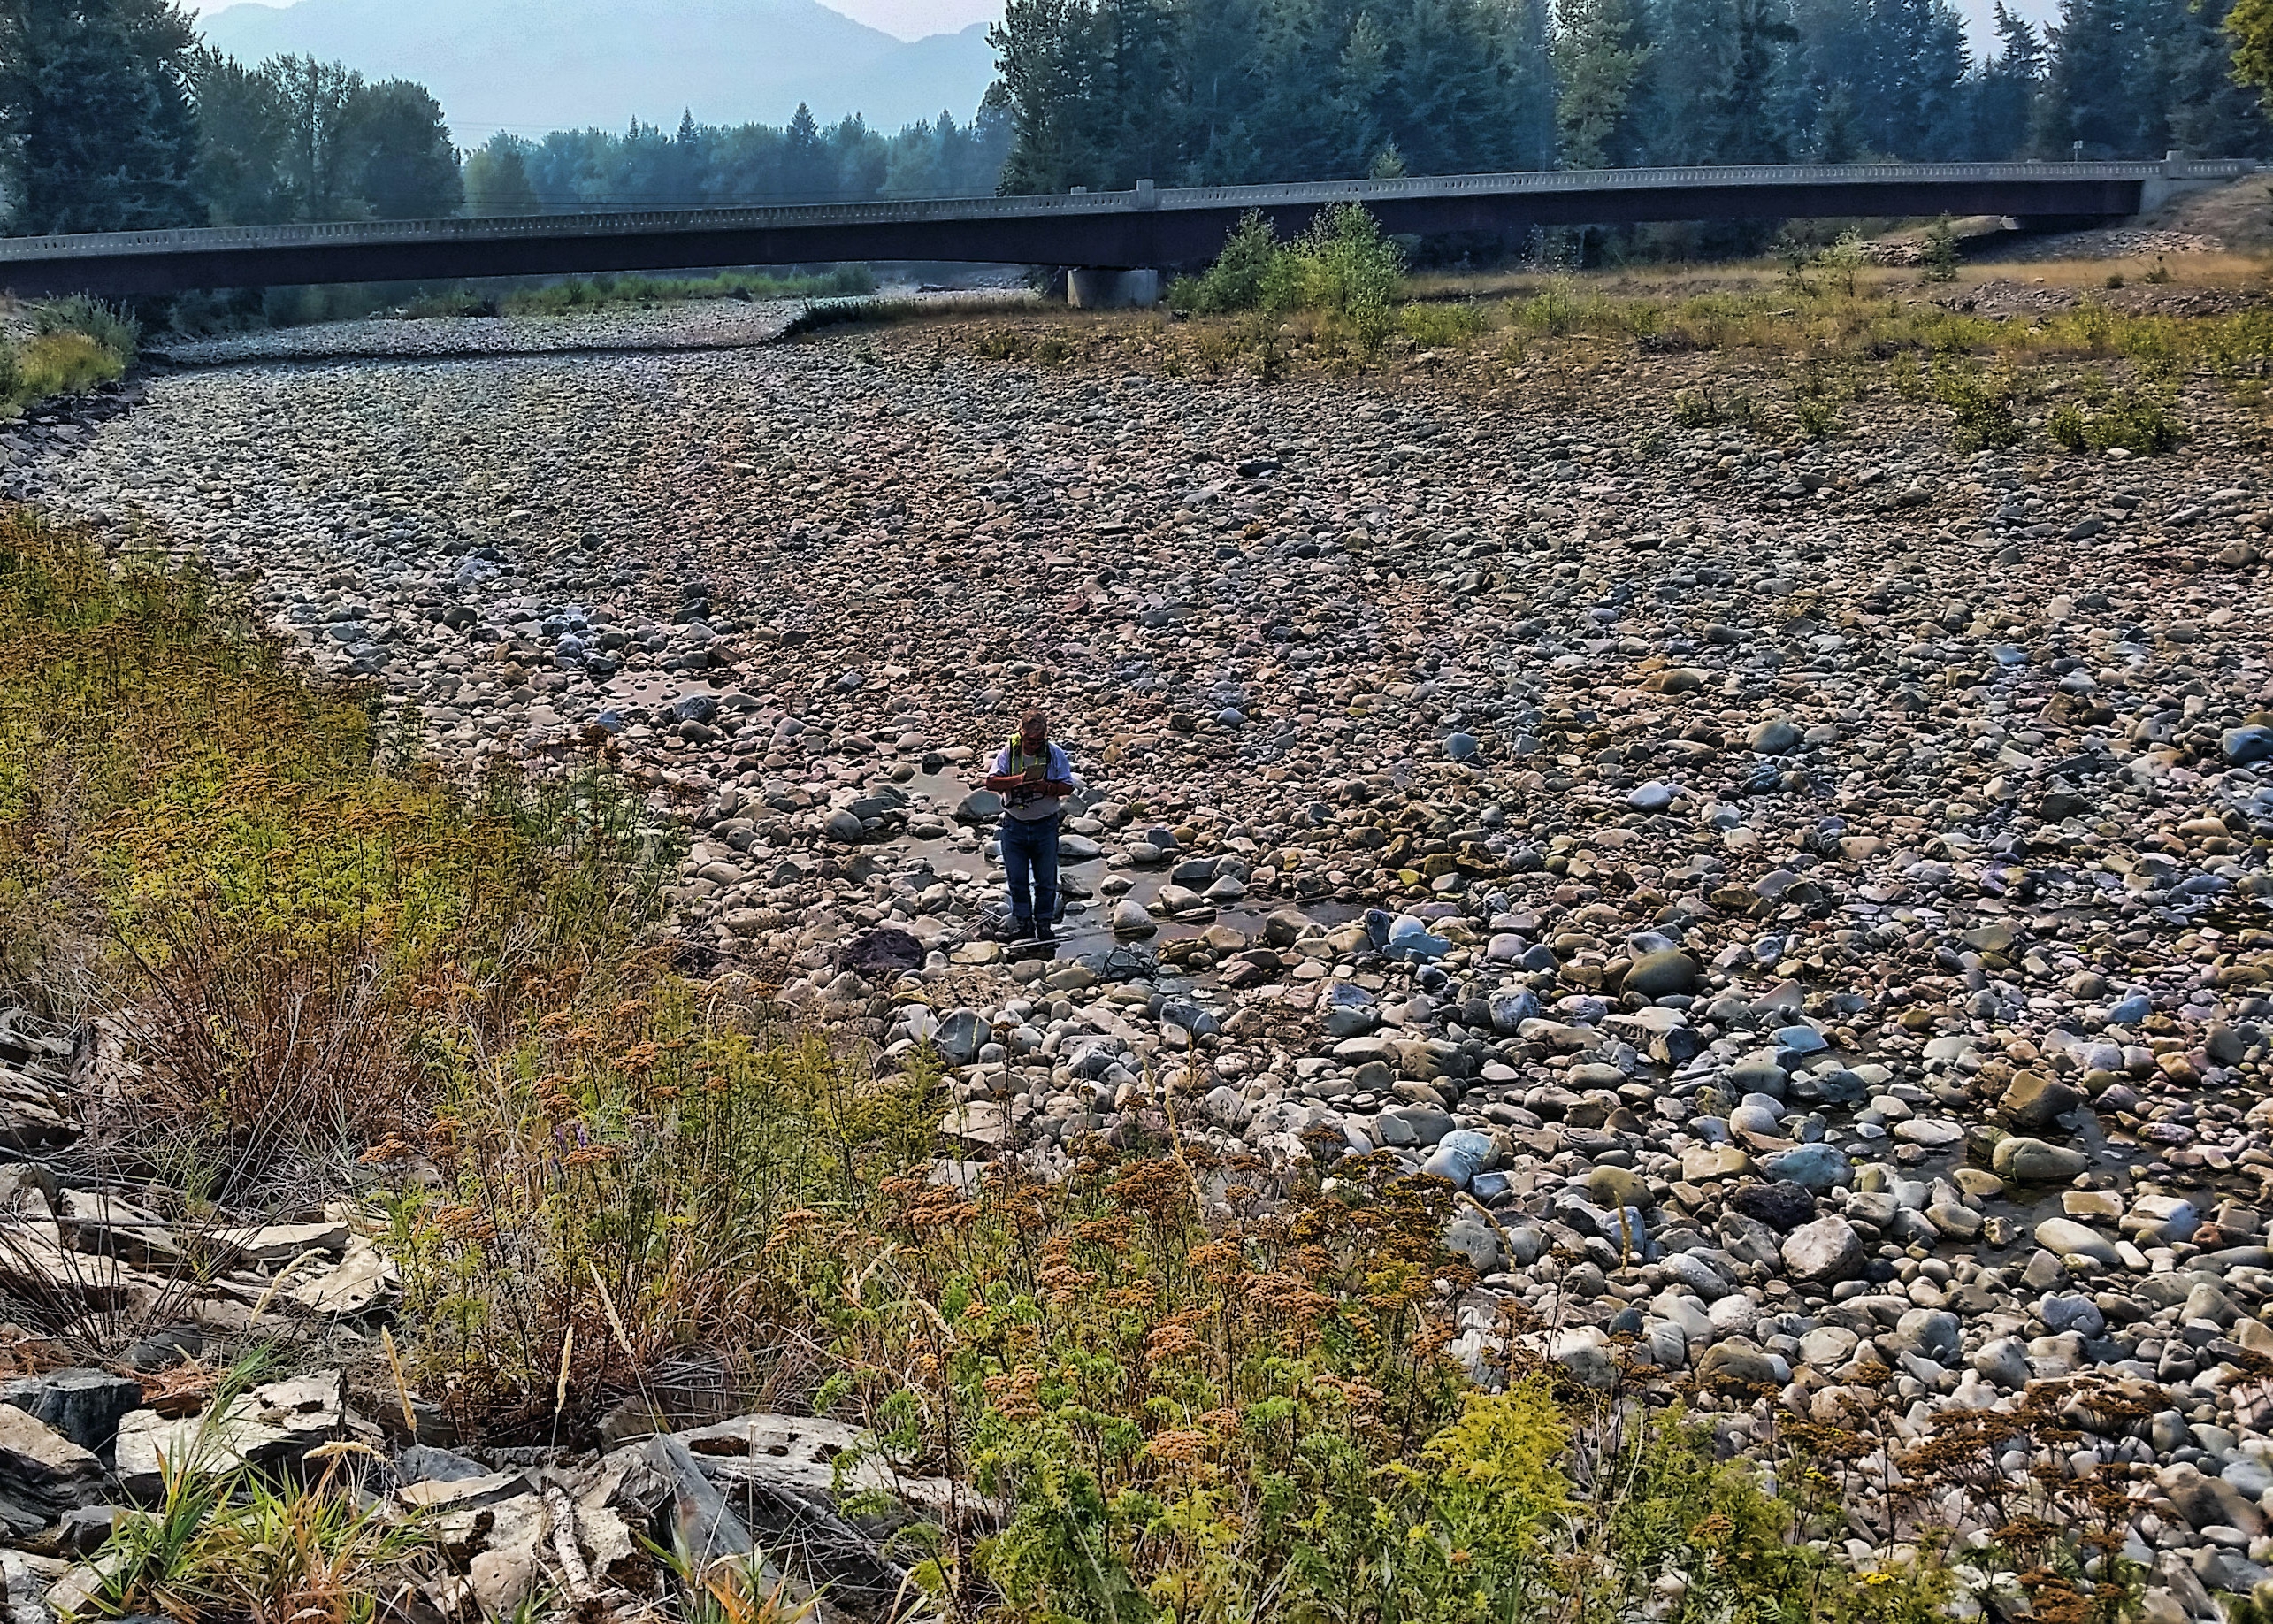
(1101, 231)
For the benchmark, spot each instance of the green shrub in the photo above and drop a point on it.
(76, 346)
(1984, 404)
(451, 304)
(1553, 310)
(1940, 259)
(2135, 419)
(57, 364)
(1236, 281)
(1816, 416)
(600, 292)
(1348, 267)
(290, 909)
(113, 328)
(1440, 326)
(1843, 259)
(1701, 408)
(1342, 266)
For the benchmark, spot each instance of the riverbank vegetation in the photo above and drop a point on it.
(2054, 352)
(67, 348)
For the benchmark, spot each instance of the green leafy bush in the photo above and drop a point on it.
(1816, 416)
(1341, 267)
(75, 346)
(1554, 311)
(1984, 404)
(1237, 280)
(2137, 420)
(112, 327)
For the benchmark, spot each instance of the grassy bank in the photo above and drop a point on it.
(2060, 356)
(68, 348)
(2076, 376)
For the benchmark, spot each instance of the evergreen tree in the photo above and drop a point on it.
(2135, 79)
(1045, 81)
(2094, 94)
(1836, 139)
(1719, 86)
(1528, 95)
(1104, 93)
(1599, 57)
(2005, 92)
(808, 173)
(1750, 122)
(2213, 114)
(94, 114)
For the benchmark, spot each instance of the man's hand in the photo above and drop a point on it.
(1003, 783)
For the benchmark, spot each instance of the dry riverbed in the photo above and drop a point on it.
(1812, 895)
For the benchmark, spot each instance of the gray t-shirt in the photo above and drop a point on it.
(1027, 806)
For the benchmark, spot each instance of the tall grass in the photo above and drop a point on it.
(74, 347)
(226, 1542)
(189, 830)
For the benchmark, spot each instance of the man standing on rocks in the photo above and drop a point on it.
(1033, 776)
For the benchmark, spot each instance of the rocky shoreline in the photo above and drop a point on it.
(1812, 897)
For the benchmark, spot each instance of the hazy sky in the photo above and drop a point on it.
(912, 19)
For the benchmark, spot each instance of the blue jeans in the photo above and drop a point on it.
(1029, 859)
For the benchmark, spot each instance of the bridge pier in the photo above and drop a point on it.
(1090, 288)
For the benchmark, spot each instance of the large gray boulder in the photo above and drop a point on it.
(2026, 1161)
(1823, 1253)
(962, 1036)
(1662, 974)
(2065, 1237)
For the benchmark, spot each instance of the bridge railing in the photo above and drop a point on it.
(222, 239)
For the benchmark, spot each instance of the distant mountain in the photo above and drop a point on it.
(533, 65)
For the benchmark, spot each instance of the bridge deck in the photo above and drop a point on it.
(1142, 228)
